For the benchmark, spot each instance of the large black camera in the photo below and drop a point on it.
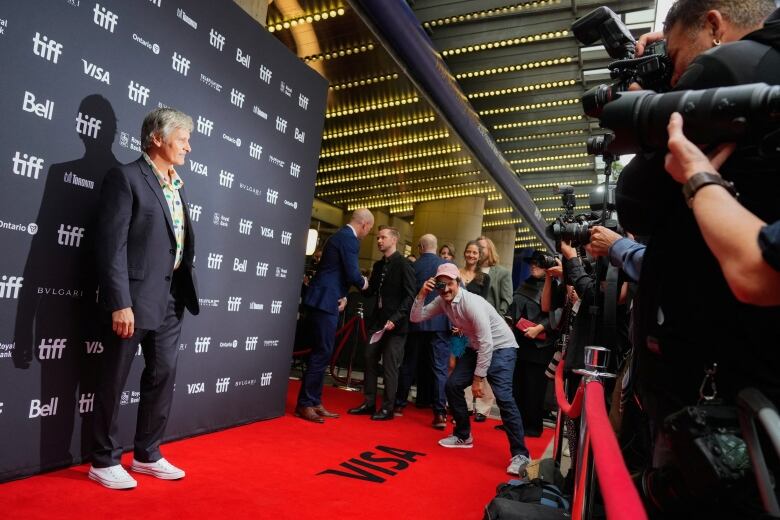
(653, 70)
(575, 229)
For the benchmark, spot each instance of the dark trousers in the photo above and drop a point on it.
(499, 376)
(323, 327)
(160, 349)
(530, 388)
(391, 350)
(430, 346)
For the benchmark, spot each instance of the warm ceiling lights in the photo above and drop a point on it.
(363, 82)
(280, 25)
(414, 194)
(537, 122)
(534, 106)
(385, 144)
(533, 137)
(379, 105)
(487, 13)
(556, 184)
(515, 68)
(506, 43)
(447, 193)
(339, 53)
(555, 167)
(502, 222)
(378, 127)
(390, 158)
(365, 175)
(523, 88)
(394, 184)
(545, 148)
(550, 158)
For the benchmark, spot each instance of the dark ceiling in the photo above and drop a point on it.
(384, 145)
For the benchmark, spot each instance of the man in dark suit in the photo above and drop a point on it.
(392, 282)
(145, 250)
(324, 299)
(429, 338)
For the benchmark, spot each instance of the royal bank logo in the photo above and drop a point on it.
(37, 409)
(44, 110)
(195, 211)
(210, 82)
(251, 189)
(205, 126)
(240, 265)
(266, 74)
(235, 140)
(262, 269)
(3, 27)
(292, 203)
(255, 150)
(254, 306)
(196, 388)
(202, 344)
(186, 19)
(303, 101)
(276, 161)
(223, 384)
(180, 64)
(151, 46)
(93, 347)
(104, 18)
(216, 40)
(276, 306)
(199, 168)
(221, 220)
(87, 125)
(70, 236)
(300, 136)
(226, 179)
(228, 344)
(251, 343)
(266, 232)
(46, 48)
(129, 397)
(295, 170)
(286, 238)
(234, 304)
(242, 58)
(51, 348)
(128, 141)
(265, 378)
(86, 403)
(26, 165)
(245, 226)
(6, 350)
(270, 342)
(207, 302)
(259, 112)
(281, 272)
(138, 93)
(158, 3)
(237, 98)
(214, 261)
(31, 228)
(281, 124)
(98, 73)
(285, 89)
(271, 196)
(75, 180)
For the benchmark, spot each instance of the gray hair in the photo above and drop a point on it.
(161, 122)
(690, 14)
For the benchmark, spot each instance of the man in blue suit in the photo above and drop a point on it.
(431, 337)
(324, 299)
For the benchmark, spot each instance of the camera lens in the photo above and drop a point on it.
(593, 100)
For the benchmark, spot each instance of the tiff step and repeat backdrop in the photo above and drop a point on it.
(78, 78)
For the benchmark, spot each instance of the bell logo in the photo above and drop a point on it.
(255, 151)
(265, 378)
(266, 74)
(105, 18)
(242, 58)
(70, 236)
(138, 93)
(200, 169)
(281, 124)
(237, 98)
(276, 306)
(239, 265)
(46, 48)
(266, 232)
(28, 166)
(234, 304)
(216, 40)
(86, 402)
(180, 64)
(262, 269)
(46, 410)
(295, 169)
(214, 261)
(251, 343)
(226, 179)
(300, 136)
(10, 285)
(286, 238)
(51, 348)
(100, 74)
(94, 347)
(88, 126)
(195, 211)
(245, 226)
(196, 388)
(205, 126)
(223, 384)
(202, 344)
(303, 102)
(44, 110)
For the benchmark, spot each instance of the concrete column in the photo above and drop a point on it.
(257, 9)
(505, 243)
(453, 220)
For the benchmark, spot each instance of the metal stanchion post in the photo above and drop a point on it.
(355, 332)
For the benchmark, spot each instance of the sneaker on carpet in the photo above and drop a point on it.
(455, 442)
(161, 469)
(112, 477)
(517, 465)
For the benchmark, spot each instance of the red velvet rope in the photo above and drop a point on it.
(571, 410)
(621, 498)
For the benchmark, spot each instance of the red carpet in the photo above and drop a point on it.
(270, 469)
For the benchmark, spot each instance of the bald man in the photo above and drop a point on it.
(324, 299)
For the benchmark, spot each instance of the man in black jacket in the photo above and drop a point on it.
(392, 282)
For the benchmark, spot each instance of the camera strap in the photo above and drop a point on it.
(609, 319)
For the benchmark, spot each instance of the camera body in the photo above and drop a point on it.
(440, 286)
(575, 229)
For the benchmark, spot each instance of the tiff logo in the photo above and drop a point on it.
(202, 344)
(286, 238)
(137, 92)
(300, 136)
(271, 196)
(51, 348)
(255, 151)
(226, 179)
(262, 269)
(251, 343)
(205, 126)
(180, 64)
(276, 306)
(196, 388)
(245, 226)
(303, 101)
(89, 126)
(242, 58)
(234, 303)
(266, 232)
(281, 125)
(266, 74)
(10, 285)
(222, 385)
(195, 211)
(239, 265)
(105, 18)
(70, 235)
(216, 40)
(27, 165)
(214, 261)
(94, 347)
(237, 98)
(86, 402)
(44, 110)
(265, 378)
(46, 48)
(295, 169)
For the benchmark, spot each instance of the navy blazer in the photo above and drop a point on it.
(337, 270)
(136, 246)
(424, 268)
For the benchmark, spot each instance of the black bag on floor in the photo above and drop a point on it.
(506, 509)
(527, 500)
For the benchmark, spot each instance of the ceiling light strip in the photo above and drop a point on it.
(363, 82)
(379, 105)
(533, 106)
(545, 148)
(515, 68)
(394, 184)
(510, 42)
(390, 158)
(534, 137)
(387, 144)
(378, 127)
(447, 194)
(538, 122)
(412, 194)
(487, 13)
(555, 167)
(550, 158)
(339, 53)
(523, 88)
(366, 175)
(280, 25)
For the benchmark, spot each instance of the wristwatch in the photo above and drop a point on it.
(702, 179)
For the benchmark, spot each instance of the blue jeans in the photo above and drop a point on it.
(499, 376)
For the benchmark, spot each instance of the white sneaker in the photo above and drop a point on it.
(517, 465)
(161, 469)
(455, 442)
(113, 477)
